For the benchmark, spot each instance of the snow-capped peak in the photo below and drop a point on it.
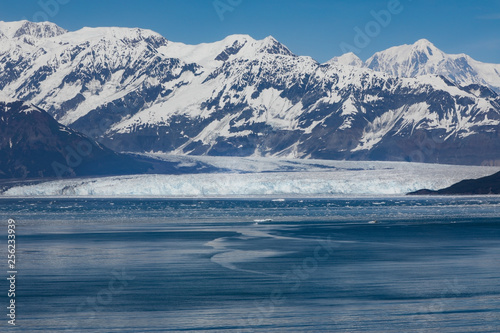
(212, 55)
(407, 60)
(128, 35)
(423, 43)
(237, 38)
(208, 55)
(33, 29)
(349, 59)
(272, 46)
(246, 43)
(425, 47)
(422, 58)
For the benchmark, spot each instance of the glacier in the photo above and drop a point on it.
(260, 177)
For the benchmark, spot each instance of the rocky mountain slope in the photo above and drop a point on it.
(484, 185)
(34, 145)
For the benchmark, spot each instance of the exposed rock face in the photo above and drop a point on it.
(485, 185)
(34, 145)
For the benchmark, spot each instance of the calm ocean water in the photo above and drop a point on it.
(310, 265)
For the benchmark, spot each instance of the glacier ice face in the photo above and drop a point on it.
(317, 178)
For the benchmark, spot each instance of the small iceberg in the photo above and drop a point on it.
(262, 220)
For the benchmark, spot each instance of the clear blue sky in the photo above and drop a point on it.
(308, 27)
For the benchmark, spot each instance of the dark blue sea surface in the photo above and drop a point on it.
(261, 265)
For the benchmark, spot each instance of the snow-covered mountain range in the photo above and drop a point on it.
(134, 90)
